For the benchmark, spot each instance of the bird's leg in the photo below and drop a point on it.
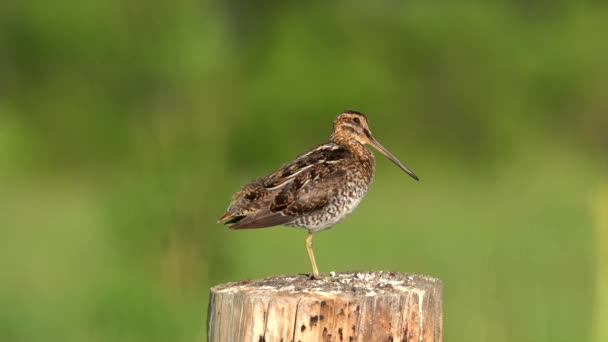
(311, 256)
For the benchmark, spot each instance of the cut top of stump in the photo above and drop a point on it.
(356, 283)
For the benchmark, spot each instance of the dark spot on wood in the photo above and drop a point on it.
(262, 339)
(314, 319)
(325, 332)
(341, 313)
(340, 334)
(323, 303)
(389, 339)
(357, 308)
(406, 334)
(302, 328)
(354, 328)
(351, 339)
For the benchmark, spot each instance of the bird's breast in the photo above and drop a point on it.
(347, 197)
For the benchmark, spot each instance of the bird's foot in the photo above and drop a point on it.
(314, 277)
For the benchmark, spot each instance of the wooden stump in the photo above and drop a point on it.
(349, 306)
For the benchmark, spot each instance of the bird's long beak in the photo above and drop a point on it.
(390, 156)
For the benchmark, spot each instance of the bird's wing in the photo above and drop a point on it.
(297, 188)
(262, 218)
(329, 153)
(317, 193)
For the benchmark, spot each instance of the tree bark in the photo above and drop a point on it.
(349, 306)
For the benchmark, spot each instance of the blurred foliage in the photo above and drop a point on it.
(125, 126)
(601, 279)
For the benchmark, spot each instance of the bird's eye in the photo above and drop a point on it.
(357, 121)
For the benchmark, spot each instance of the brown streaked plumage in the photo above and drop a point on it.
(318, 188)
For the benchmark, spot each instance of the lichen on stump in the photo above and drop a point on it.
(349, 306)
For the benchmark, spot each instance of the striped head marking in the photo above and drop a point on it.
(352, 124)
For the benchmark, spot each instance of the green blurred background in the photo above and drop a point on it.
(125, 127)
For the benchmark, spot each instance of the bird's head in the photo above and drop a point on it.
(351, 126)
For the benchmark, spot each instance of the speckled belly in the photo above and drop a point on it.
(339, 207)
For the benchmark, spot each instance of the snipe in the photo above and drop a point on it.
(318, 188)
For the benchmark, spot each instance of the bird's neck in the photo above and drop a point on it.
(357, 148)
